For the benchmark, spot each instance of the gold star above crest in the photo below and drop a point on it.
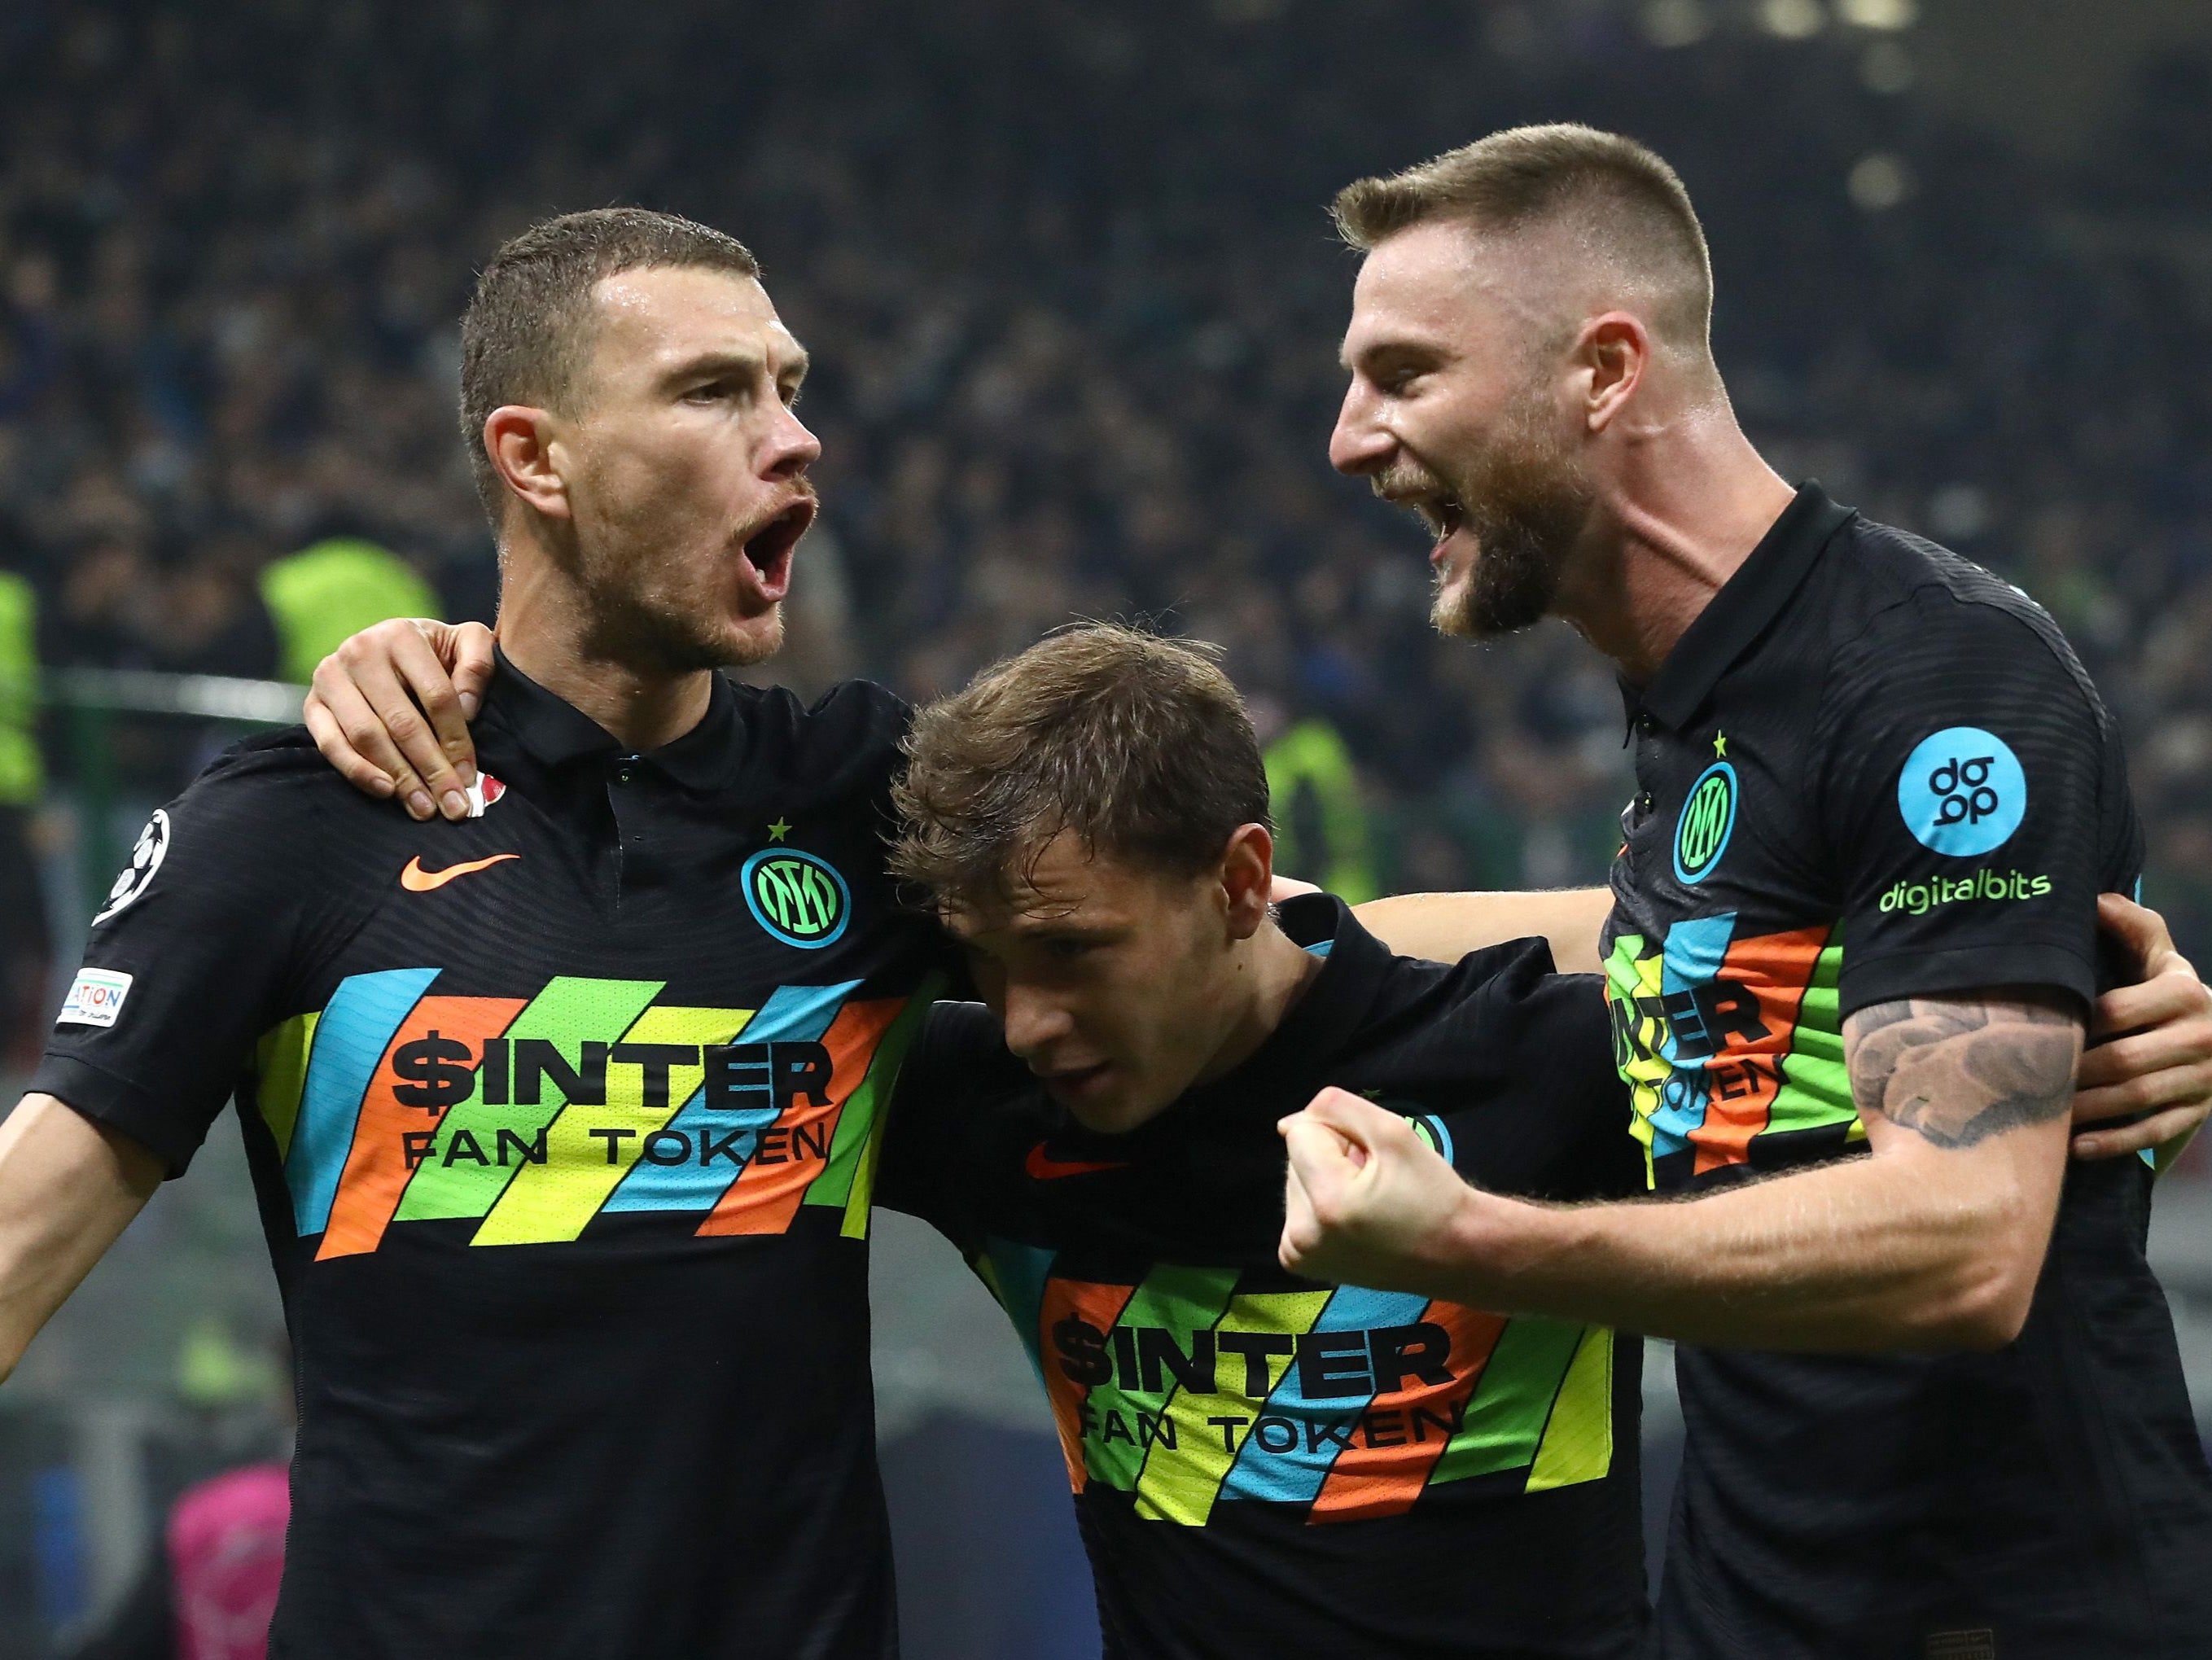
(1720, 743)
(779, 830)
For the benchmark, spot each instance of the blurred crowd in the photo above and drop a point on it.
(1074, 304)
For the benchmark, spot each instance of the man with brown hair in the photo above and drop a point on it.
(1853, 951)
(1261, 1465)
(562, 1116)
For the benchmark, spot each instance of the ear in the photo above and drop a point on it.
(519, 441)
(1611, 356)
(1248, 868)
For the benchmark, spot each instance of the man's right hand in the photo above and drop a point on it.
(389, 710)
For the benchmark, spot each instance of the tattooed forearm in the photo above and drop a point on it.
(1957, 1070)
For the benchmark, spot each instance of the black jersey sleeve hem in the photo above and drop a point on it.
(1902, 974)
(117, 1104)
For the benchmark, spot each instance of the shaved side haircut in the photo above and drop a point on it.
(529, 326)
(1621, 202)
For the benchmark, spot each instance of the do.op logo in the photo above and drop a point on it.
(797, 897)
(1962, 792)
(1701, 835)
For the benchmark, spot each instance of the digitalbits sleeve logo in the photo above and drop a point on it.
(798, 899)
(1962, 792)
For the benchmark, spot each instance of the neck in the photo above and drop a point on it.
(1692, 500)
(1270, 970)
(545, 628)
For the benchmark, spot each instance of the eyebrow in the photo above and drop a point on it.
(718, 363)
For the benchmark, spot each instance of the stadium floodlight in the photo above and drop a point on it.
(1793, 20)
(1879, 14)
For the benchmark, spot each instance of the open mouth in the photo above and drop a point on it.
(768, 549)
(1072, 1080)
(1443, 514)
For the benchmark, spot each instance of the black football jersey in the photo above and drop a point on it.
(1263, 1465)
(564, 1122)
(1871, 770)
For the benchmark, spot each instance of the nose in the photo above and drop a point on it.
(1359, 444)
(1034, 1022)
(793, 446)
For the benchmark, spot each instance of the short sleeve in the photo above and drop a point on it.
(931, 1166)
(189, 961)
(1963, 772)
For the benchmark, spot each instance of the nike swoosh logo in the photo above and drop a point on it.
(416, 879)
(1041, 1167)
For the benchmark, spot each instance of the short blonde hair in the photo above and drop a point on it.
(1632, 206)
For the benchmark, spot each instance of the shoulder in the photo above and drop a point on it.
(1909, 601)
(1504, 1001)
(852, 733)
(278, 779)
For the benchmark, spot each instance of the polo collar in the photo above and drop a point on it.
(1736, 616)
(554, 732)
(1322, 1024)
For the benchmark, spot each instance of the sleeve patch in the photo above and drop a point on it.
(1962, 792)
(146, 857)
(95, 998)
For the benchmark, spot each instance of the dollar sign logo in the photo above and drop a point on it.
(440, 1068)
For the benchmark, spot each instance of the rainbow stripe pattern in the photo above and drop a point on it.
(1198, 1386)
(532, 1115)
(1726, 1042)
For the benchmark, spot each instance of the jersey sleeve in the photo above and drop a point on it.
(1964, 773)
(931, 1168)
(1539, 1111)
(189, 961)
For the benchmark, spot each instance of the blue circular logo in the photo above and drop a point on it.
(798, 899)
(1962, 792)
(1701, 836)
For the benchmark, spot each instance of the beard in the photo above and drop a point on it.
(643, 613)
(1525, 503)
(644, 631)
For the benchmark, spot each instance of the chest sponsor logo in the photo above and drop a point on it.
(1701, 835)
(146, 856)
(1962, 792)
(1184, 1390)
(800, 899)
(95, 998)
(535, 1115)
(1722, 1039)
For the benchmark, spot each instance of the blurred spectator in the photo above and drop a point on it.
(1073, 306)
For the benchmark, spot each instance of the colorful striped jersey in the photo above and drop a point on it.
(1261, 1464)
(1870, 771)
(564, 1121)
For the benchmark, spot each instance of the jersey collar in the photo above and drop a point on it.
(1321, 1025)
(1736, 616)
(554, 732)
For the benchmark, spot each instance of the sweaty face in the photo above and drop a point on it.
(1450, 414)
(686, 470)
(1114, 983)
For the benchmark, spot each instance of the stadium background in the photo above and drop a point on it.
(1074, 305)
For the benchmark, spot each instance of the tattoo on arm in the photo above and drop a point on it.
(1958, 1070)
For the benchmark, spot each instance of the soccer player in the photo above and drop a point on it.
(1261, 1465)
(563, 1117)
(1851, 958)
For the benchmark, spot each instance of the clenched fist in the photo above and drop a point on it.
(1368, 1202)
